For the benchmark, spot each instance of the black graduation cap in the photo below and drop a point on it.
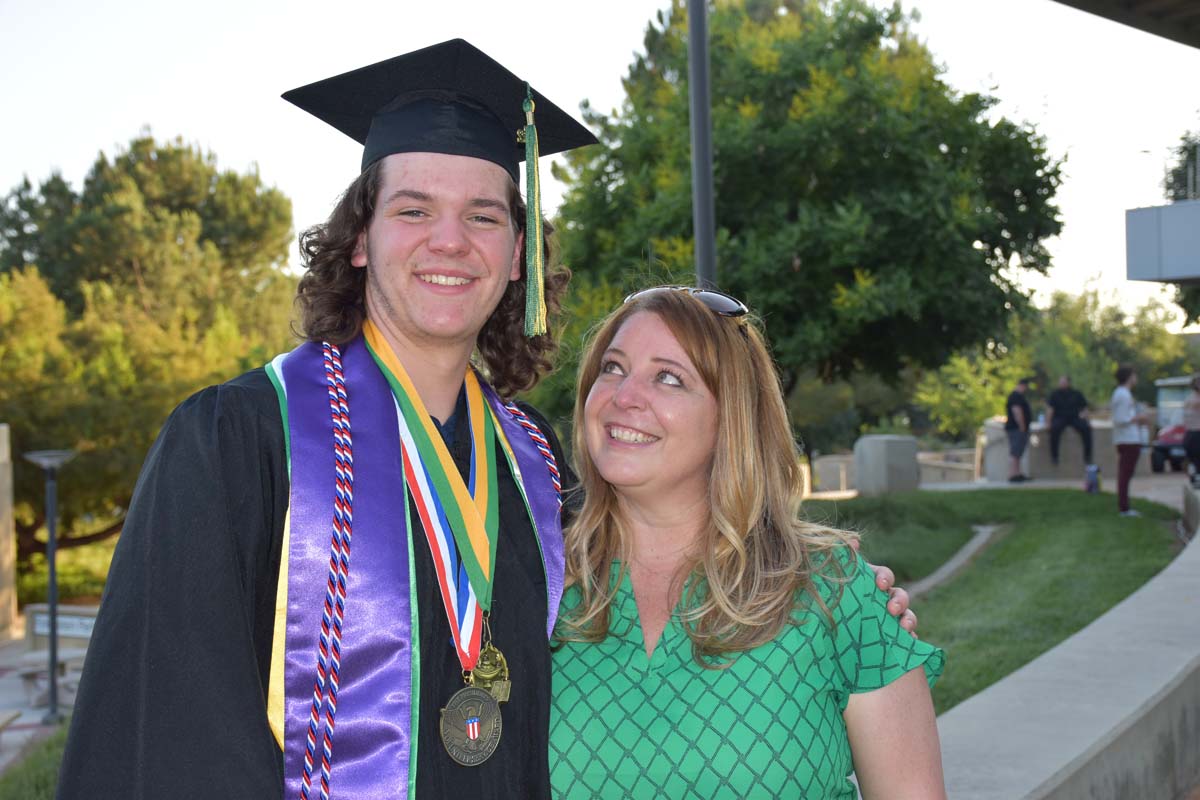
(447, 98)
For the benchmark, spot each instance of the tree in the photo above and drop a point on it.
(588, 301)
(1076, 335)
(1182, 182)
(870, 214)
(971, 387)
(162, 275)
(160, 220)
(1182, 179)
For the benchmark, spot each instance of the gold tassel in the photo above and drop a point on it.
(535, 267)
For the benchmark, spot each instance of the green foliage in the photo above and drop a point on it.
(162, 275)
(81, 574)
(971, 387)
(1065, 559)
(35, 774)
(1185, 162)
(865, 209)
(1076, 335)
(589, 301)
(912, 534)
(824, 412)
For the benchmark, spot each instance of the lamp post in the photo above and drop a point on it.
(703, 215)
(50, 461)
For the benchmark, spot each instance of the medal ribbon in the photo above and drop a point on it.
(461, 519)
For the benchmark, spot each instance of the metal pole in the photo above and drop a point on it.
(52, 716)
(50, 461)
(1194, 191)
(1189, 174)
(703, 216)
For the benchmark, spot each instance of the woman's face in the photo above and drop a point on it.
(650, 421)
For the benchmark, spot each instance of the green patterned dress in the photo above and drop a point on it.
(770, 725)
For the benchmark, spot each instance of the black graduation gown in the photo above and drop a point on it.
(172, 699)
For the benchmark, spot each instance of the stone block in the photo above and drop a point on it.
(8, 540)
(1191, 509)
(75, 625)
(833, 473)
(886, 463)
(1036, 463)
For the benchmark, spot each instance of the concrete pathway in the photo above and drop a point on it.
(27, 728)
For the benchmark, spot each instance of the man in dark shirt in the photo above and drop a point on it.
(1067, 408)
(1016, 426)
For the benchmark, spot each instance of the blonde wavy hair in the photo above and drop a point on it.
(756, 556)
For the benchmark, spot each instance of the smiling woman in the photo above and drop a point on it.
(711, 643)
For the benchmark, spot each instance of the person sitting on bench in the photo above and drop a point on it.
(1068, 408)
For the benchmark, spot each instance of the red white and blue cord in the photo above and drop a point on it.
(329, 655)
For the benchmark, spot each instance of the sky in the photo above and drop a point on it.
(84, 77)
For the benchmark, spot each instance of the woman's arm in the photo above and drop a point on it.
(894, 740)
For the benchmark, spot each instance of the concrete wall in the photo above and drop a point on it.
(1113, 712)
(75, 625)
(886, 463)
(8, 540)
(947, 466)
(1036, 462)
(1162, 243)
(833, 473)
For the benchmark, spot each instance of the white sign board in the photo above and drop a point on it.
(77, 627)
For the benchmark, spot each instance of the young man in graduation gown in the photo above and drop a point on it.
(339, 573)
(230, 659)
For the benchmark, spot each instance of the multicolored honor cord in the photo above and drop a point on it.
(461, 519)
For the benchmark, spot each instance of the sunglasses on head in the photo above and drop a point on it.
(721, 304)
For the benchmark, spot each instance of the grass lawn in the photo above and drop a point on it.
(81, 573)
(35, 775)
(1064, 559)
(913, 534)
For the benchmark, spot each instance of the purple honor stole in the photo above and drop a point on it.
(350, 699)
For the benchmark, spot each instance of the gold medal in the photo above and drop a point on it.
(491, 672)
(471, 721)
(471, 726)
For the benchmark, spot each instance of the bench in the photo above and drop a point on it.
(33, 667)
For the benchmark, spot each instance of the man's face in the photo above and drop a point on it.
(1064, 382)
(440, 250)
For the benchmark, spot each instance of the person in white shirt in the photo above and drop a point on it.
(1128, 434)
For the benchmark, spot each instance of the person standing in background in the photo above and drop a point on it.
(1191, 423)
(1127, 424)
(1016, 427)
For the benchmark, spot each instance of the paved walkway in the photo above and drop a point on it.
(28, 727)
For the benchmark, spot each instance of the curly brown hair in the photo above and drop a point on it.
(332, 303)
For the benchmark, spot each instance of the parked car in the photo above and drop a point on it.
(1167, 448)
